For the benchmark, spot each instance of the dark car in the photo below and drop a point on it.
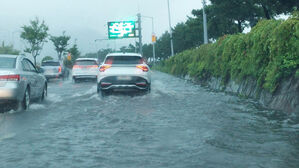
(53, 69)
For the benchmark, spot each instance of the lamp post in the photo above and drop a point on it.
(140, 33)
(153, 34)
(170, 29)
(205, 30)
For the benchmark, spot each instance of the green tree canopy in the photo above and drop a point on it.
(47, 58)
(35, 34)
(60, 43)
(103, 52)
(130, 48)
(90, 55)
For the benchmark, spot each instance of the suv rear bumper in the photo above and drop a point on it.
(84, 76)
(136, 83)
(124, 87)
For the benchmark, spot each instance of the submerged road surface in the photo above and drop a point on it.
(177, 125)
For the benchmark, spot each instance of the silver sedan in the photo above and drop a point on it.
(20, 83)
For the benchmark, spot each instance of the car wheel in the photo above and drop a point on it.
(26, 100)
(104, 93)
(2, 110)
(44, 94)
(75, 80)
(148, 89)
(98, 89)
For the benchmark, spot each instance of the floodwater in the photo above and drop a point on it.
(177, 125)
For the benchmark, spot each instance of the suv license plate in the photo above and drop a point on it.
(123, 78)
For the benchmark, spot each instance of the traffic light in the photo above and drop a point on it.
(154, 38)
(69, 56)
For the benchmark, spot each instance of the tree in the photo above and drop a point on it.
(271, 8)
(60, 43)
(103, 52)
(163, 46)
(35, 34)
(47, 58)
(287, 6)
(147, 51)
(8, 49)
(239, 11)
(90, 55)
(131, 48)
(218, 25)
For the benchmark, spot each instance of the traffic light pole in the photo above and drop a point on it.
(153, 36)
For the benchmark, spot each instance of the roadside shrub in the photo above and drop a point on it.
(269, 54)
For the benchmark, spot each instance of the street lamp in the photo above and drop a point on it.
(205, 30)
(170, 30)
(153, 34)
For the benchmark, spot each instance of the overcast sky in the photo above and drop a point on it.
(85, 20)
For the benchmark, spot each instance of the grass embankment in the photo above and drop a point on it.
(269, 54)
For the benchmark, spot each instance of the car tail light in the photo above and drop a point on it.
(76, 67)
(143, 68)
(9, 77)
(59, 69)
(104, 84)
(92, 66)
(104, 67)
(141, 84)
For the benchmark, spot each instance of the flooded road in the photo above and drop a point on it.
(177, 125)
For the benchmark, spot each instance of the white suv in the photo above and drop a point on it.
(123, 71)
(85, 68)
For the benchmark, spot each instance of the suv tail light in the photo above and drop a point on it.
(92, 66)
(59, 69)
(9, 77)
(76, 67)
(143, 68)
(104, 67)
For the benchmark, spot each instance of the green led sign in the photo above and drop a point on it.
(122, 29)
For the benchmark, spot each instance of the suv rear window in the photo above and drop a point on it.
(7, 62)
(86, 62)
(124, 60)
(50, 64)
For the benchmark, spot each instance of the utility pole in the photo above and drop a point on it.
(205, 30)
(170, 30)
(139, 33)
(153, 37)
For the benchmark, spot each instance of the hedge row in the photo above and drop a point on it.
(269, 53)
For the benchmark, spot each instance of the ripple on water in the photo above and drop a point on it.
(6, 136)
(37, 106)
(54, 98)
